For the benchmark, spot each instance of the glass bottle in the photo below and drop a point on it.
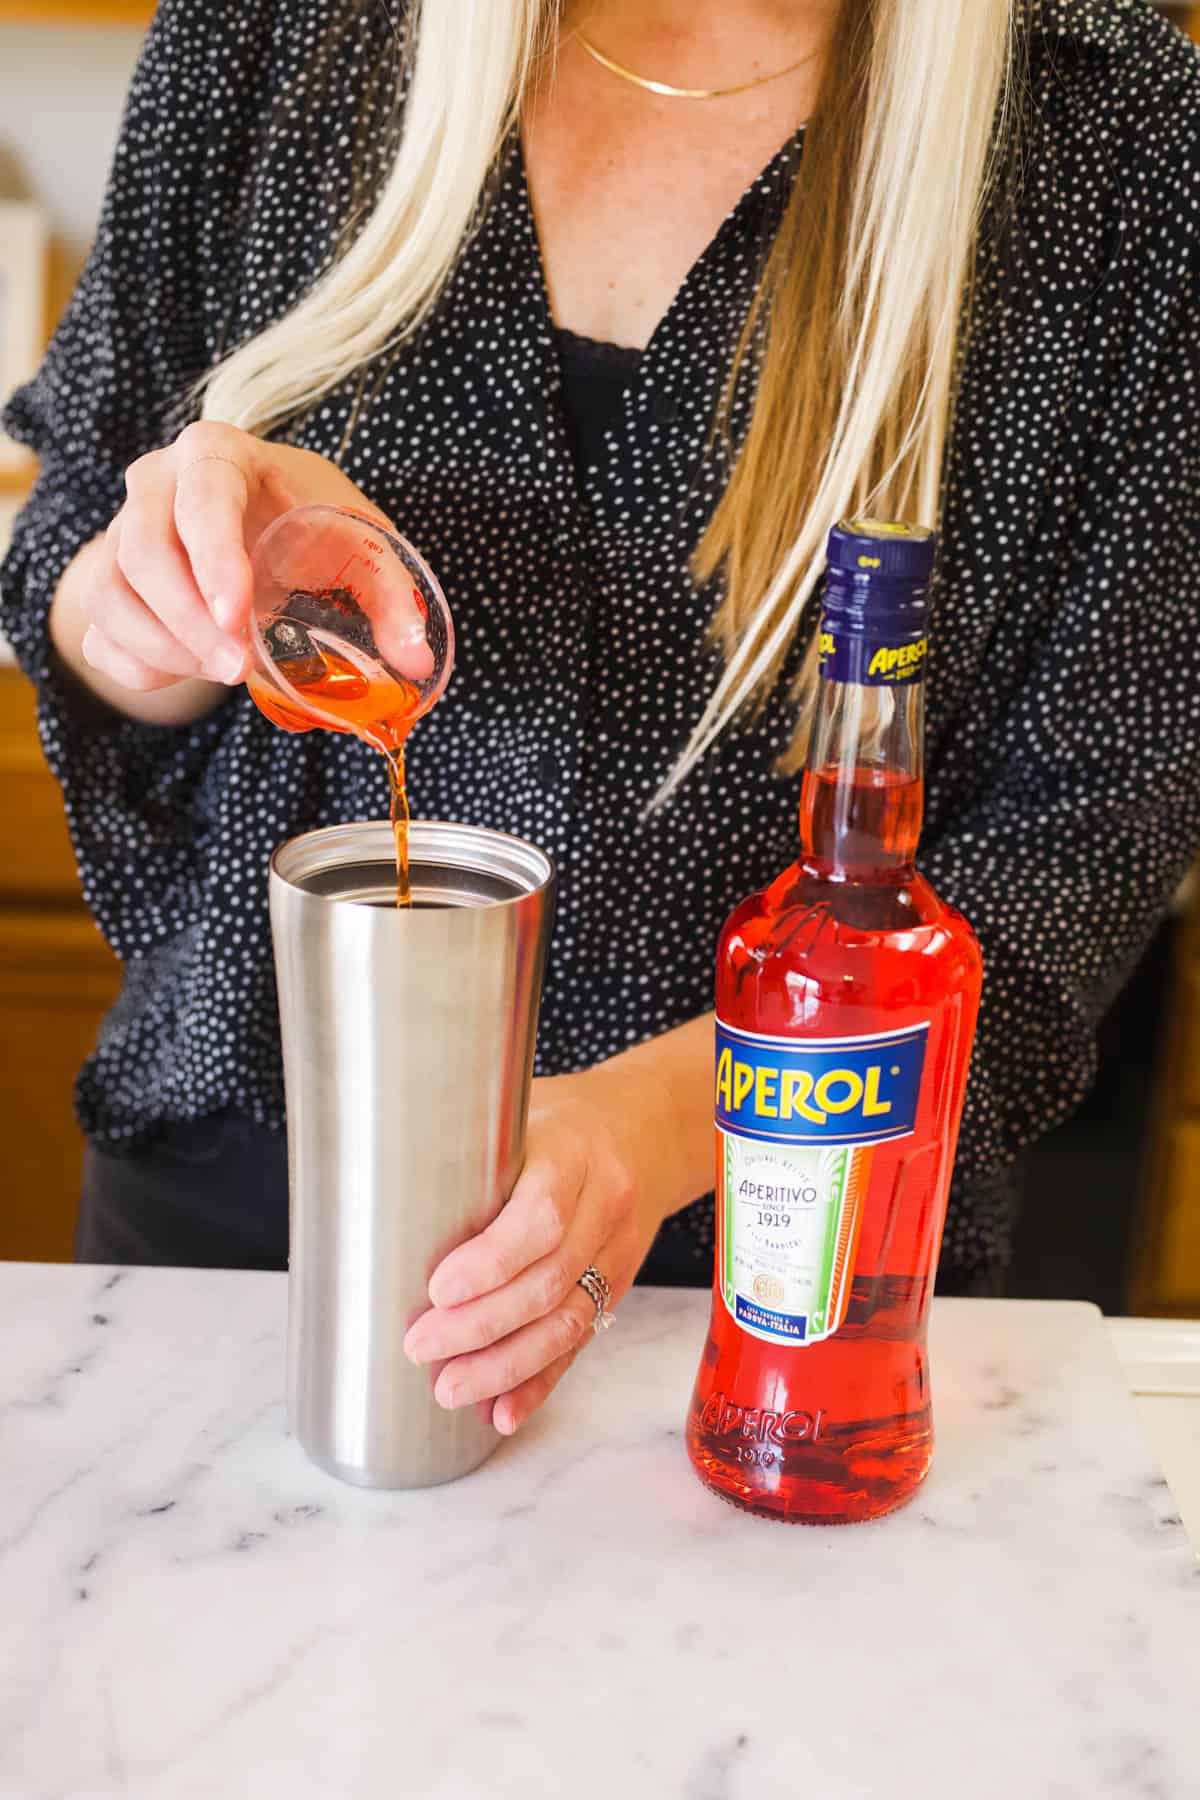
(846, 998)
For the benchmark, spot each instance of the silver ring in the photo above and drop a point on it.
(599, 1293)
(213, 456)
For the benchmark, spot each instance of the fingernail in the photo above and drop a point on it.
(448, 1293)
(225, 664)
(421, 1350)
(225, 610)
(446, 1394)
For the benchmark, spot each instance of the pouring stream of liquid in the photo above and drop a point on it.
(396, 781)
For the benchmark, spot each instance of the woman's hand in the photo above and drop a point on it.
(508, 1317)
(163, 600)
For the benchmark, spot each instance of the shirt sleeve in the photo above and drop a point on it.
(115, 384)
(1087, 813)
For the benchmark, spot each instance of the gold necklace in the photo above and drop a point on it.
(678, 93)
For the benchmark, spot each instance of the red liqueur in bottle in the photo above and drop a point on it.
(846, 998)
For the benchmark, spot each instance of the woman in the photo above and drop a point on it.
(615, 354)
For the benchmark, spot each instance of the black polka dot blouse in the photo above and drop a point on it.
(1063, 799)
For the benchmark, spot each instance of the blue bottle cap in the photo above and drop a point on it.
(874, 604)
(875, 549)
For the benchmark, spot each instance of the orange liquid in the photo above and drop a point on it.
(380, 712)
(865, 827)
(399, 815)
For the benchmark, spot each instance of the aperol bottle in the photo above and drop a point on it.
(846, 997)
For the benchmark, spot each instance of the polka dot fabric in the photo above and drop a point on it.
(1064, 706)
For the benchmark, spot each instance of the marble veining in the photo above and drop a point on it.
(189, 1609)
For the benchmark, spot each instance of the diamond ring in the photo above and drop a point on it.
(599, 1293)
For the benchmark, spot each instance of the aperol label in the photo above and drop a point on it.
(870, 661)
(789, 1229)
(797, 1122)
(859, 1090)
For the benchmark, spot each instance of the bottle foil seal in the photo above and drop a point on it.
(875, 603)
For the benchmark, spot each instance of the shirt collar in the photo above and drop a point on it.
(1100, 24)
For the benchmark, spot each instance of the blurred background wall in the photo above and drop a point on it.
(61, 91)
(64, 71)
(1111, 1208)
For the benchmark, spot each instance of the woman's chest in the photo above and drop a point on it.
(578, 619)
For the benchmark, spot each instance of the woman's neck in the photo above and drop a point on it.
(701, 42)
(629, 186)
(700, 16)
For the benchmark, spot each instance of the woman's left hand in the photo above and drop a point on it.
(508, 1317)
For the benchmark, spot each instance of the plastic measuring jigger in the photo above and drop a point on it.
(350, 629)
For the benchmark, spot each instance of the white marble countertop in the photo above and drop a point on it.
(189, 1609)
(1160, 1359)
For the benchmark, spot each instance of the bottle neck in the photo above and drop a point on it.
(862, 794)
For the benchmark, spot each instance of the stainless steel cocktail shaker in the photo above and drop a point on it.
(408, 1040)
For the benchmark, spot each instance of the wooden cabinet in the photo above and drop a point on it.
(1185, 14)
(37, 863)
(76, 12)
(57, 979)
(1166, 1272)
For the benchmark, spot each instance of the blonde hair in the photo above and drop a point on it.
(861, 297)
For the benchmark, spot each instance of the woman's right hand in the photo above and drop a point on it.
(162, 600)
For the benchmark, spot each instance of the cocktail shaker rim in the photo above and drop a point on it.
(529, 869)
